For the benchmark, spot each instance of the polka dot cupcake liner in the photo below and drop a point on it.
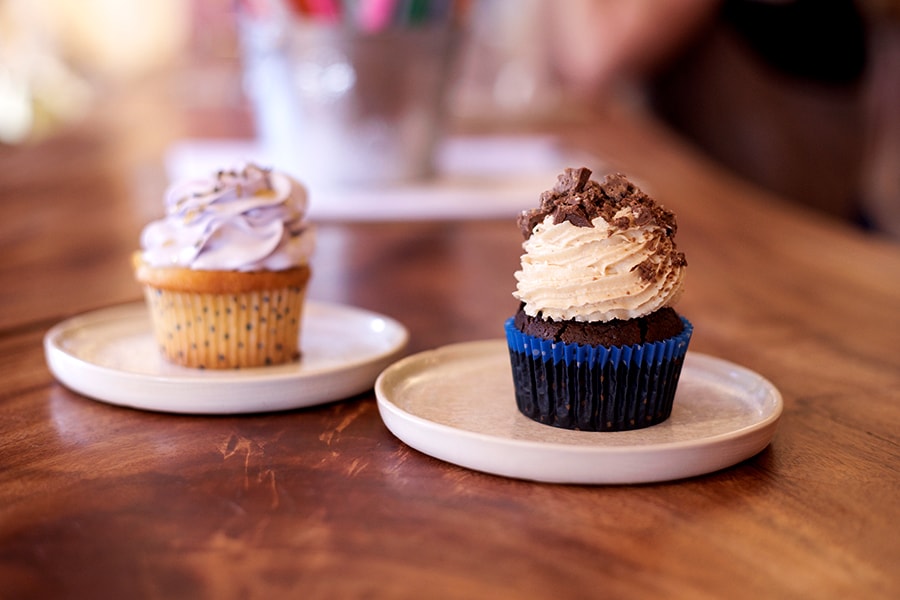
(227, 331)
(596, 388)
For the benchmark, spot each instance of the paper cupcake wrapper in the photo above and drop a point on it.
(227, 331)
(596, 388)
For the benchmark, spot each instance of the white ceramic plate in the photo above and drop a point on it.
(457, 404)
(110, 355)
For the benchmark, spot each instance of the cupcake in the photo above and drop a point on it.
(596, 344)
(225, 272)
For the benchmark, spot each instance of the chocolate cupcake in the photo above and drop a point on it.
(596, 344)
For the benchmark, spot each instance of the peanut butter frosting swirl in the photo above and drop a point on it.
(598, 252)
(245, 219)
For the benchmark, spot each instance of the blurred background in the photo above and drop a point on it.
(801, 97)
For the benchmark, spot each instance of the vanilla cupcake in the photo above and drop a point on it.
(596, 344)
(225, 272)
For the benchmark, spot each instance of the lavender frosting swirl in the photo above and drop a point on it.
(246, 219)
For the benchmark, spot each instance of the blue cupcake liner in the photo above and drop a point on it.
(596, 388)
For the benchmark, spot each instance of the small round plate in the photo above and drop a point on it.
(457, 403)
(110, 355)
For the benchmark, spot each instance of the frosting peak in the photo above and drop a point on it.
(246, 219)
(598, 252)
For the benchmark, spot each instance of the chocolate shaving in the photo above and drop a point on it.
(646, 270)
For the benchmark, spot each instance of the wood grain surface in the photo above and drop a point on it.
(101, 501)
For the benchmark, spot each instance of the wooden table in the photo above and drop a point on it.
(102, 501)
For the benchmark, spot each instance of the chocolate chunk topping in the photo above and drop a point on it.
(646, 270)
(572, 180)
(578, 199)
